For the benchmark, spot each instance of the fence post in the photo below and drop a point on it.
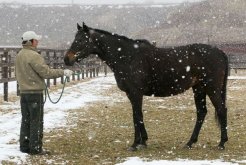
(105, 70)
(54, 65)
(94, 72)
(18, 89)
(229, 70)
(83, 74)
(97, 71)
(73, 77)
(5, 76)
(86, 72)
(90, 72)
(62, 80)
(62, 54)
(78, 77)
(48, 83)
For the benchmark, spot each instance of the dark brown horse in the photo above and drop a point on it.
(141, 69)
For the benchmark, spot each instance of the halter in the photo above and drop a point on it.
(77, 59)
(75, 55)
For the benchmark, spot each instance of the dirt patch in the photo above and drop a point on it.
(101, 132)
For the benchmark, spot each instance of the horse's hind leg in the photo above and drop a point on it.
(218, 101)
(200, 101)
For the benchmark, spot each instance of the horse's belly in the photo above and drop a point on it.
(167, 93)
(164, 89)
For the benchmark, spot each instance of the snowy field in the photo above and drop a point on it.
(54, 113)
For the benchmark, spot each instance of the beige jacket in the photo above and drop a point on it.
(31, 70)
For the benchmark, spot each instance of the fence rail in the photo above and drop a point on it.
(90, 67)
(236, 53)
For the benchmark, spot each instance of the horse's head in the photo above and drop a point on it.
(81, 47)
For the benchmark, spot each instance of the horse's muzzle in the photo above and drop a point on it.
(69, 58)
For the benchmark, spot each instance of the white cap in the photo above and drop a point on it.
(29, 35)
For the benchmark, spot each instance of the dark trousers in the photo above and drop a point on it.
(31, 132)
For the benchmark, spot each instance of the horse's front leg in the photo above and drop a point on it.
(140, 131)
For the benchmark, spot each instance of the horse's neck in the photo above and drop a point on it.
(108, 53)
(111, 62)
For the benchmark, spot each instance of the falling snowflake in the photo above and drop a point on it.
(187, 68)
(135, 46)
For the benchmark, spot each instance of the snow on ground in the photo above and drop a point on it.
(74, 97)
(138, 161)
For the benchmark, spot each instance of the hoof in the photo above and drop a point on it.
(141, 147)
(221, 147)
(132, 149)
(189, 147)
(138, 147)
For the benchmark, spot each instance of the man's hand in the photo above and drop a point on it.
(68, 72)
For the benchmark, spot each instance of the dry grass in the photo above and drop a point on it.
(101, 132)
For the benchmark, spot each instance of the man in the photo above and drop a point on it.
(31, 70)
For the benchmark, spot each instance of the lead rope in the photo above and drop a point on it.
(46, 93)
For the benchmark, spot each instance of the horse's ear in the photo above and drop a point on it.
(85, 28)
(78, 26)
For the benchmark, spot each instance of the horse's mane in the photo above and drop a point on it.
(122, 37)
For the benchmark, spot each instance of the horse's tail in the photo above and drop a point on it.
(223, 89)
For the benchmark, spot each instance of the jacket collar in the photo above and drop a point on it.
(30, 48)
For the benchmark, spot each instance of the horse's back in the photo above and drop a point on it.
(176, 69)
